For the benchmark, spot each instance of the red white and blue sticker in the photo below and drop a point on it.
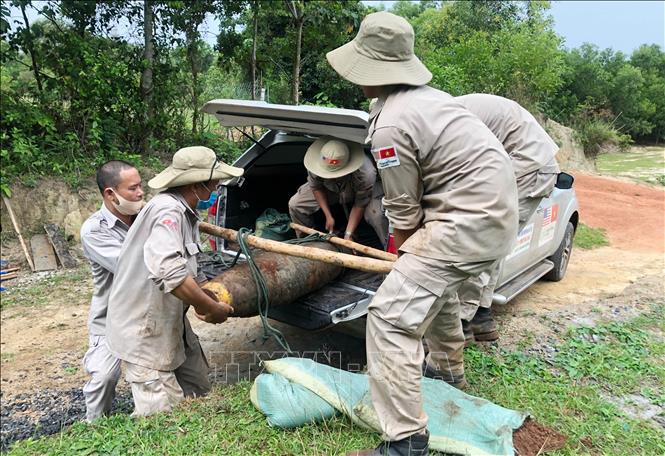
(548, 226)
(523, 241)
(386, 157)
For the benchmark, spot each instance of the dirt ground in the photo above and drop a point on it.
(42, 344)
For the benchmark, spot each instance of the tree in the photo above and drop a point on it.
(411, 10)
(147, 73)
(28, 41)
(297, 10)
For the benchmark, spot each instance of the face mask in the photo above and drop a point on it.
(126, 207)
(205, 204)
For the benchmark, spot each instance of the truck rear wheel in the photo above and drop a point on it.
(561, 257)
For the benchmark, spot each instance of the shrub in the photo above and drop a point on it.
(597, 134)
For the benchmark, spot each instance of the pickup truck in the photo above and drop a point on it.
(274, 170)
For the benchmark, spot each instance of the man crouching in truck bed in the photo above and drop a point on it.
(339, 172)
(147, 325)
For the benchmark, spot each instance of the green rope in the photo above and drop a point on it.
(311, 238)
(262, 300)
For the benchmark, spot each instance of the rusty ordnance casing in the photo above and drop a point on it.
(287, 278)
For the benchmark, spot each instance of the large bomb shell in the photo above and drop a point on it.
(287, 277)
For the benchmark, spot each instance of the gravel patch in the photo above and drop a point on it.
(47, 412)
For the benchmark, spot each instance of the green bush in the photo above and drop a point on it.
(597, 134)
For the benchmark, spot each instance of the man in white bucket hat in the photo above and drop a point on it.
(147, 326)
(450, 195)
(339, 172)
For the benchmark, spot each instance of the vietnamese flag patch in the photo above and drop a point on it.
(386, 157)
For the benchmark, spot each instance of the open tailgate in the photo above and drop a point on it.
(313, 120)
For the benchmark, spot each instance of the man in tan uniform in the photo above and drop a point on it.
(339, 172)
(532, 152)
(102, 236)
(451, 196)
(147, 326)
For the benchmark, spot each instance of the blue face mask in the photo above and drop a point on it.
(205, 204)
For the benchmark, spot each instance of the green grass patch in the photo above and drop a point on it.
(225, 423)
(568, 391)
(646, 164)
(587, 237)
(56, 288)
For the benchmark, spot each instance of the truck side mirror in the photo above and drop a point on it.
(564, 181)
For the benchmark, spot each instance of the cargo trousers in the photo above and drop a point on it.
(156, 391)
(104, 371)
(418, 295)
(303, 206)
(531, 188)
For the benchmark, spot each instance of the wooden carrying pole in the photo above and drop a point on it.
(376, 253)
(311, 253)
(18, 233)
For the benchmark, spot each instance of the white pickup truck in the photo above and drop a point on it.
(274, 170)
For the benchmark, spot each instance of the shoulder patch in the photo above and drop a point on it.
(169, 223)
(386, 157)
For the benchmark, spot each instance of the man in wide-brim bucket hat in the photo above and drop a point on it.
(340, 173)
(147, 327)
(450, 196)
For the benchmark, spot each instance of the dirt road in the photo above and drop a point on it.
(44, 337)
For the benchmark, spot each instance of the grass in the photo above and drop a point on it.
(225, 423)
(588, 238)
(568, 391)
(646, 164)
(57, 287)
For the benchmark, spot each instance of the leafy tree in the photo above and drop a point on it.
(493, 47)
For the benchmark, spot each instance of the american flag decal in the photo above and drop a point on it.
(549, 214)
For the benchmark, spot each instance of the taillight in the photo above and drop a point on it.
(390, 248)
(212, 215)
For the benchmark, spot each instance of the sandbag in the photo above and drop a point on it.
(274, 225)
(297, 391)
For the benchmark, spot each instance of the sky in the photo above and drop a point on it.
(620, 25)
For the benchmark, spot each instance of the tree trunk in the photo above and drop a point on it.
(296, 63)
(256, 32)
(146, 75)
(192, 56)
(31, 50)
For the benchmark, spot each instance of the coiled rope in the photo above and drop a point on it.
(262, 299)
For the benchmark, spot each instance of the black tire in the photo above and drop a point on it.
(561, 257)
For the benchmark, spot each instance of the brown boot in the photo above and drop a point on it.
(483, 325)
(413, 445)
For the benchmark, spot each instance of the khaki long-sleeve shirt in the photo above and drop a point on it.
(355, 188)
(529, 146)
(146, 323)
(443, 172)
(102, 236)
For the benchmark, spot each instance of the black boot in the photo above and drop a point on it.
(413, 445)
(483, 325)
(469, 339)
(458, 381)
